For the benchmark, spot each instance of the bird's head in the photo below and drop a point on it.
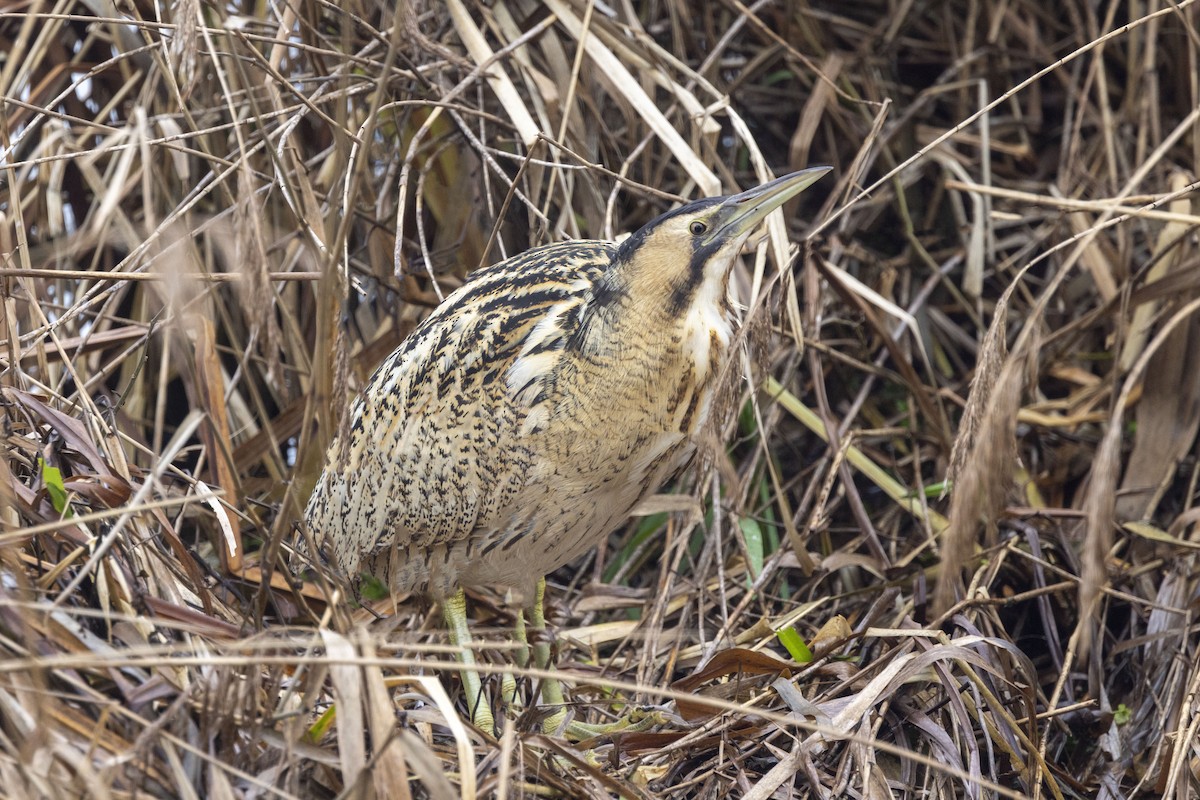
(690, 249)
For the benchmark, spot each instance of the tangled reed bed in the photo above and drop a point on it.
(962, 473)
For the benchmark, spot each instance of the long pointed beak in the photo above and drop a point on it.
(741, 213)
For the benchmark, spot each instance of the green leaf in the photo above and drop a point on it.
(53, 480)
(753, 534)
(747, 423)
(790, 638)
(780, 76)
(318, 729)
(1122, 714)
(371, 588)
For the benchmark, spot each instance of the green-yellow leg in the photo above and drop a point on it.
(455, 610)
(508, 684)
(552, 694)
(519, 630)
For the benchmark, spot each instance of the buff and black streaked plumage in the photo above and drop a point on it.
(523, 420)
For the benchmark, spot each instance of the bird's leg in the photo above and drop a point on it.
(508, 685)
(552, 694)
(455, 610)
(519, 630)
(551, 689)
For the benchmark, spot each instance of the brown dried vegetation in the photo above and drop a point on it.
(216, 219)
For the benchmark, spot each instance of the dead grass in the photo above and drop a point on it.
(214, 224)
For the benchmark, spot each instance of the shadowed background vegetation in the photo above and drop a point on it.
(946, 550)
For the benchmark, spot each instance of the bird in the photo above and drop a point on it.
(526, 416)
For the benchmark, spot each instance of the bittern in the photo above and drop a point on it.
(527, 415)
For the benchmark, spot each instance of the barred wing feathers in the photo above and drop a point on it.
(435, 447)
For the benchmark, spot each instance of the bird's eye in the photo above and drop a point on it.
(697, 227)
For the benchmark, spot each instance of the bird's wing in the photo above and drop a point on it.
(434, 449)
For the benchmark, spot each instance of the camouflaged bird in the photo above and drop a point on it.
(524, 419)
(532, 410)
(519, 423)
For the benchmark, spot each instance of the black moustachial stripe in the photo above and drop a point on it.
(682, 294)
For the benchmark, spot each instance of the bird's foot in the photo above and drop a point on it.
(483, 718)
(637, 719)
(514, 705)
